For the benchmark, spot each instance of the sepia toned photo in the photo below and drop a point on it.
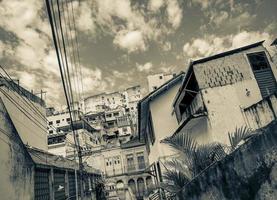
(138, 100)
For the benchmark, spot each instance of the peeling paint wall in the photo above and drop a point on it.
(248, 173)
(262, 113)
(227, 86)
(16, 165)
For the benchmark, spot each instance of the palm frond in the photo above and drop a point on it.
(238, 135)
(175, 180)
(181, 142)
(207, 154)
(179, 165)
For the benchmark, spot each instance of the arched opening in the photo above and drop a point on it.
(119, 184)
(132, 185)
(141, 188)
(149, 183)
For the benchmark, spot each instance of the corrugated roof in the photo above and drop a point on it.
(44, 158)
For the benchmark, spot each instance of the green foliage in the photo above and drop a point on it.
(194, 158)
(238, 136)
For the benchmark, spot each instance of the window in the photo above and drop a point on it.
(51, 131)
(263, 73)
(130, 162)
(58, 121)
(141, 162)
(155, 87)
(116, 114)
(161, 77)
(68, 119)
(258, 61)
(50, 123)
(150, 129)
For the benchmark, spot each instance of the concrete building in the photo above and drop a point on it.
(156, 120)
(156, 80)
(123, 168)
(217, 95)
(27, 112)
(217, 89)
(29, 172)
(105, 101)
(62, 143)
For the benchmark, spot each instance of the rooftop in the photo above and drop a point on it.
(44, 158)
(21, 91)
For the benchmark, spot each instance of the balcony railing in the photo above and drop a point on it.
(132, 168)
(195, 107)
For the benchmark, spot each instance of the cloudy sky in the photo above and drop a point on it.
(122, 41)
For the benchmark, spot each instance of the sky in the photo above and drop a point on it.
(123, 41)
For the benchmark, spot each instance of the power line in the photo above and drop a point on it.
(25, 102)
(23, 110)
(76, 140)
(73, 47)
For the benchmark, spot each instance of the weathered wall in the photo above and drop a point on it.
(229, 69)
(262, 113)
(31, 127)
(163, 126)
(16, 166)
(248, 173)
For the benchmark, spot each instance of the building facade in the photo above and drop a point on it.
(105, 101)
(156, 80)
(27, 112)
(124, 170)
(217, 89)
(156, 121)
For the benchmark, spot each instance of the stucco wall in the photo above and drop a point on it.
(164, 123)
(224, 107)
(32, 129)
(228, 69)
(262, 113)
(248, 173)
(16, 166)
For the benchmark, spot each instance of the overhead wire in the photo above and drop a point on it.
(29, 104)
(74, 57)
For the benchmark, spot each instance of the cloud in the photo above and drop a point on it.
(219, 17)
(174, 13)
(93, 80)
(135, 23)
(144, 68)
(155, 5)
(209, 45)
(85, 21)
(131, 41)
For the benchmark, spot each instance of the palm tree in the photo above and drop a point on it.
(176, 176)
(239, 135)
(194, 158)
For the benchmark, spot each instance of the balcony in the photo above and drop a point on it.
(196, 107)
(127, 169)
